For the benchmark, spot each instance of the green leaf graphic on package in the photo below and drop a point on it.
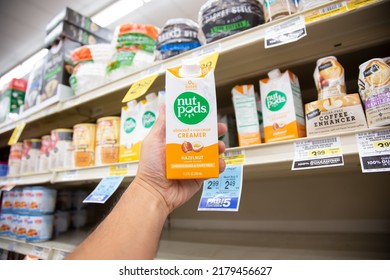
(275, 100)
(191, 108)
(129, 125)
(148, 119)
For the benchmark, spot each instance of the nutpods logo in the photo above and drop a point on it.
(191, 108)
(148, 119)
(275, 100)
(129, 125)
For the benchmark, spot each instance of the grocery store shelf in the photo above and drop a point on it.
(47, 250)
(242, 56)
(274, 159)
(27, 179)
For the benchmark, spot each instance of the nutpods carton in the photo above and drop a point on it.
(334, 114)
(282, 106)
(191, 123)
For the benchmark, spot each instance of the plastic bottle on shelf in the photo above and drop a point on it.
(275, 9)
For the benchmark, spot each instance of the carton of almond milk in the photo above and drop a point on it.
(282, 106)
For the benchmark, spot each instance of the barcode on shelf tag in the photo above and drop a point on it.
(224, 192)
(374, 150)
(326, 12)
(38, 252)
(285, 32)
(119, 170)
(236, 157)
(317, 153)
(104, 189)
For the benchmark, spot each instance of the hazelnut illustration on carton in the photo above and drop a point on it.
(191, 127)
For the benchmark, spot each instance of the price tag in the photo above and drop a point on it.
(60, 255)
(37, 252)
(119, 170)
(70, 174)
(326, 12)
(285, 32)
(223, 193)
(234, 157)
(104, 190)
(139, 88)
(209, 62)
(374, 150)
(354, 4)
(16, 133)
(11, 246)
(319, 153)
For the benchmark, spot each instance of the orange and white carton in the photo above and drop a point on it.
(282, 106)
(244, 102)
(191, 123)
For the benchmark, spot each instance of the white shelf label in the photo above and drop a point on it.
(70, 174)
(38, 252)
(285, 32)
(374, 150)
(319, 153)
(104, 189)
(223, 193)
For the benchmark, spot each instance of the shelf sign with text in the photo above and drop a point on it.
(374, 150)
(224, 193)
(285, 32)
(104, 189)
(318, 153)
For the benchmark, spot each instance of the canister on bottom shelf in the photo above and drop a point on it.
(44, 155)
(61, 221)
(18, 197)
(84, 141)
(43, 200)
(15, 159)
(5, 223)
(22, 226)
(7, 201)
(39, 228)
(30, 155)
(374, 89)
(61, 153)
(107, 140)
(24, 200)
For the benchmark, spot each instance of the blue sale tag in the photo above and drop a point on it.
(104, 189)
(223, 193)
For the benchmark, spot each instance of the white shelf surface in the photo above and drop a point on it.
(272, 157)
(243, 52)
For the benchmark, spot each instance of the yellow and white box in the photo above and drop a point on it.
(244, 102)
(191, 123)
(334, 114)
(281, 102)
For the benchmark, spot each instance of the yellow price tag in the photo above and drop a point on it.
(354, 4)
(324, 152)
(16, 133)
(209, 62)
(139, 88)
(118, 170)
(382, 144)
(326, 12)
(234, 157)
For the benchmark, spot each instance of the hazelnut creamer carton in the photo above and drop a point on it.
(191, 123)
(282, 107)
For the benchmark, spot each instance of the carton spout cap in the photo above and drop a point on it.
(190, 68)
(274, 74)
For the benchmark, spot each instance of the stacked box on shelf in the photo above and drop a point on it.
(12, 99)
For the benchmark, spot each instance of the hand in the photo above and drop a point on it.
(152, 170)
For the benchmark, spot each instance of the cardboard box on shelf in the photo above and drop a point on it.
(334, 114)
(12, 99)
(81, 21)
(73, 32)
(58, 67)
